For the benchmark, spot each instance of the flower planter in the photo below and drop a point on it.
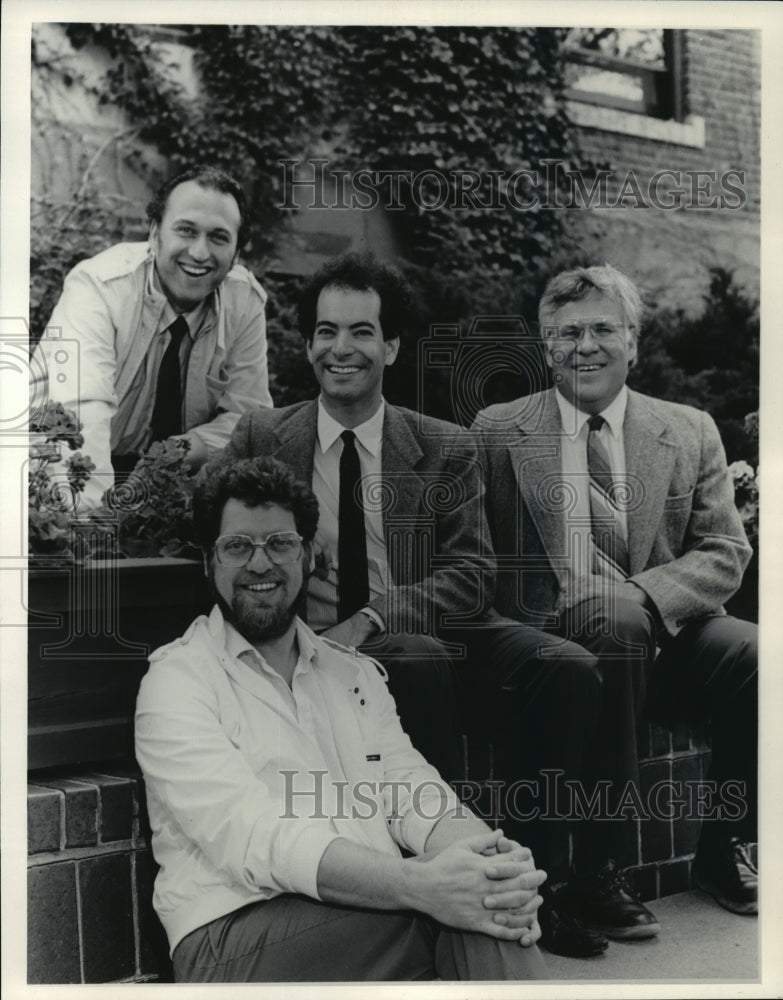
(91, 628)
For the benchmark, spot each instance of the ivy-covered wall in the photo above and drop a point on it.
(485, 99)
(385, 98)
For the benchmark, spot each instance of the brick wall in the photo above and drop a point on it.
(664, 848)
(90, 875)
(90, 871)
(670, 251)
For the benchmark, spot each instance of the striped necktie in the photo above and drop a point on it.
(610, 549)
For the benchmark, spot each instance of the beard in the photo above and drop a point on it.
(257, 623)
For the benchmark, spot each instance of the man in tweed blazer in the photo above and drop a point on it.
(657, 624)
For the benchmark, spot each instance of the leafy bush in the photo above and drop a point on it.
(746, 496)
(149, 514)
(154, 505)
(710, 361)
(52, 494)
(60, 237)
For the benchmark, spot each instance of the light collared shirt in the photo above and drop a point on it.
(305, 696)
(322, 593)
(98, 337)
(134, 413)
(573, 462)
(248, 781)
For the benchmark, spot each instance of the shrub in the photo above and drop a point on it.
(147, 515)
(710, 361)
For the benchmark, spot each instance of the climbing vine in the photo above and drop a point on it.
(477, 99)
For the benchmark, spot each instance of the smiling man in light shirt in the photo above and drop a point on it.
(170, 334)
(623, 508)
(281, 788)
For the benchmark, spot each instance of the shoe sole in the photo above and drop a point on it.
(749, 909)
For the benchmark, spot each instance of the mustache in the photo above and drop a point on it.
(270, 576)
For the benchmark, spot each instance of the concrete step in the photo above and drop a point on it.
(699, 940)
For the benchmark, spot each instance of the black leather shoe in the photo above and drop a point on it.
(606, 903)
(726, 871)
(563, 934)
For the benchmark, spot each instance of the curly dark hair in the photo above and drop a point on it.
(360, 272)
(211, 178)
(254, 481)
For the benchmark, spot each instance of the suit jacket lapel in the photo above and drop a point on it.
(295, 441)
(535, 457)
(649, 462)
(400, 454)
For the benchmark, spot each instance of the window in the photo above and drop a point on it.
(636, 70)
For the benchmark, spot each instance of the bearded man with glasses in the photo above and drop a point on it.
(282, 790)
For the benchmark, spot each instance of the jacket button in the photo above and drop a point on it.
(361, 702)
(356, 690)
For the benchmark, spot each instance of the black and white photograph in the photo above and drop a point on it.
(382, 432)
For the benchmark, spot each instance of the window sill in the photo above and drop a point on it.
(688, 133)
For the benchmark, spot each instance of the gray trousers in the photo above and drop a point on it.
(296, 939)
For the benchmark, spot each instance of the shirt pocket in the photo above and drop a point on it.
(679, 501)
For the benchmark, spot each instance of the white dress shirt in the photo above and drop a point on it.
(322, 594)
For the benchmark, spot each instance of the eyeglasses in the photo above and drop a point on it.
(281, 548)
(600, 329)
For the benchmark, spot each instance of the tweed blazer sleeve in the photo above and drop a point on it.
(700, 550)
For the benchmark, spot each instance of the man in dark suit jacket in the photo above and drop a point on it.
(429, 572)
(421, 499)
(618, 515)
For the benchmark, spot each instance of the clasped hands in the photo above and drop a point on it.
(486, 883)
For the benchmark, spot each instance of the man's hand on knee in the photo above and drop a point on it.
(514, 897)
(512, 908)
(461, 879)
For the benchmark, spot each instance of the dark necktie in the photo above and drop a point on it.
(610, 549)
(353, 588)
(167, 412)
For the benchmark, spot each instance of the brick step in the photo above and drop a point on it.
(91, 873)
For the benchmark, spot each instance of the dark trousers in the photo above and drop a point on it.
(709, 671)
(536, 697)
(565, 718)
(622, 635)
(422, 682)
(297, 939)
